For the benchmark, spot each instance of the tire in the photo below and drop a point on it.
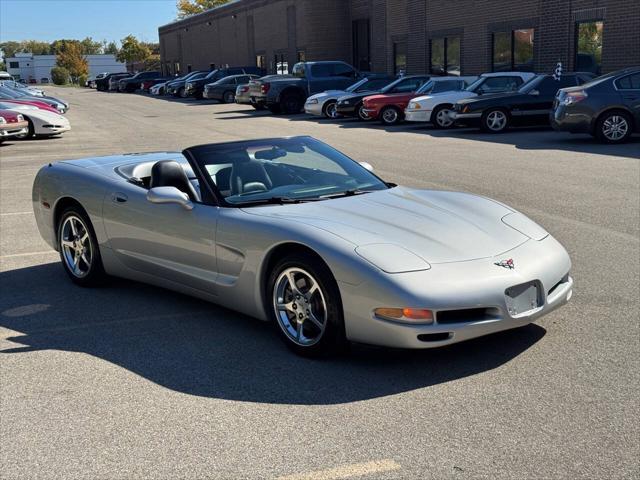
(275, 109)
(291, 103)
(440, 118)
(360, 113)
(322, 327)
(390, 116)
(329, 110)
(181, 93)
(78, 246)
(30, 133)
(495, 120)
(613, 127)
(228, 97)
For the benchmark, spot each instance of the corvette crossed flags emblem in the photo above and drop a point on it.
(506, 264)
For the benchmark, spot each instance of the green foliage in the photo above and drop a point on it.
(110, 47)
(89, 47)
(187, 8)
(82, 80)
(9, 49)
(70, 56)
(60, 75)
(36, 47)
(132, 50)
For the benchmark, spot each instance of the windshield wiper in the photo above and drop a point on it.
(277, 201)
(346, 193)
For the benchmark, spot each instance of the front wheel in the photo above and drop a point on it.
(305, 304)
(330, 110)
(614, 127)
(229, 97)
(31, 131)
(494, 121)
(79, 251)
(362, 115)
(441, 117)
(390, 116)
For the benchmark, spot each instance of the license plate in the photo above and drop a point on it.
(522, 298)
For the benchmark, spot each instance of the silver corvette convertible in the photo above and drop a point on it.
(292, 231)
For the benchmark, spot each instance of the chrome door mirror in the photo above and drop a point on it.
(535, 93)
(163, 195)
(366, 166)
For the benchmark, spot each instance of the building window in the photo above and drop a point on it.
(261, 61)
(589, 47)
(513, 50)
(302, 56)
(14, 64)
(176, 68)
(189, 68)
(400, 58)
(445, 56)
(212, 67)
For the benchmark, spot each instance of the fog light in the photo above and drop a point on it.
(406, 315)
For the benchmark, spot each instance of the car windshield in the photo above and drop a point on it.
(531, 84)
(276, 171)
(211, 74)
(476, 84)
(357, 85)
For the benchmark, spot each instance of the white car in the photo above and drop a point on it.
(42, 123)
(437, 108)
(158, 89)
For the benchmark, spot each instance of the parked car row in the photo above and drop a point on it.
(607, 107)
(26, 112)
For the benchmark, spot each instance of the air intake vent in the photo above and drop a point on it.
(468, 315)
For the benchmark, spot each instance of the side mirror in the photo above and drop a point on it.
(366, 166)
(535, 93)
(164, 195)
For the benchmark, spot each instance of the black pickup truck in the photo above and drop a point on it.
(288, 94)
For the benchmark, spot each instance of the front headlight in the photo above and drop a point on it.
(20, 118)
(312, 101)
(414, 106)
(2, 120)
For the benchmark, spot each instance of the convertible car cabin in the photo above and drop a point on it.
(293, 231)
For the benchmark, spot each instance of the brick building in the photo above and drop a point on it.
(438, 36)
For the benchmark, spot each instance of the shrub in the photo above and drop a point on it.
(82, 80)
(60, 75)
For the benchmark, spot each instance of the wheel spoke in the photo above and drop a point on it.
(84, 237)
(67, 243)
(72, 224)
(292, 283)
(85, 260)
(285, 307)
(315, 321)
(299, 334)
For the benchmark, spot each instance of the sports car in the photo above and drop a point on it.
(41, 123)
(12, 124)
(292, 231)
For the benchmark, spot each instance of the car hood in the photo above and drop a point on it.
(359, 95)
(389, 97)
(48, 116)
(438, 226)
(443, 97)
(327, 94)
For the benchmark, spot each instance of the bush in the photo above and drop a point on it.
(82, 80)
(60, 75)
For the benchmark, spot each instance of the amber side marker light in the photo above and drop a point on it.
(407, 315)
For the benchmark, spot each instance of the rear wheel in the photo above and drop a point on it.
(79, 251)
(330, 110)
(440, 117)
(229, 97)
(291, 103)
(614, 127)
(390, 115)
(305, 304)
(495, 120)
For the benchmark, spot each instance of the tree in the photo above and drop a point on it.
(187, 8)
(9, 49)
(89, 47)
(59, 75)
(71, 58)
(36, 47)
(132, 50)
(111, 48)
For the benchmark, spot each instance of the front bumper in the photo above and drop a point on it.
(13, 129)
(313, 108)
(371, 113)
(564, 119)
(417, 115)
(473, 294)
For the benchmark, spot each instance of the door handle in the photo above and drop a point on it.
(119, 197)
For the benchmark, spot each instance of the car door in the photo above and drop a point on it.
(165, 241)
(629, 89)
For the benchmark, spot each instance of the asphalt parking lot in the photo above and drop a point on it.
(131, 381)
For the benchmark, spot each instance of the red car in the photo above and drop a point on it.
(33, 103)
(389, 107)
(12, 124)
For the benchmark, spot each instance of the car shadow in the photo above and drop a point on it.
(198, 348)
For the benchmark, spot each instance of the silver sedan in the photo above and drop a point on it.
(290, 230)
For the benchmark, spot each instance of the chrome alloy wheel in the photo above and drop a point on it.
(300, 306)
(390, 115)
(496, 120)
(615, 128)
(332, 110)
(443, 117)
(75, 242)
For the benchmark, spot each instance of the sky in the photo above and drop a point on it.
(49, 20)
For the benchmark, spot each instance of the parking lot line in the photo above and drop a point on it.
(27, 254)
(346, 471)
(15, 213)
